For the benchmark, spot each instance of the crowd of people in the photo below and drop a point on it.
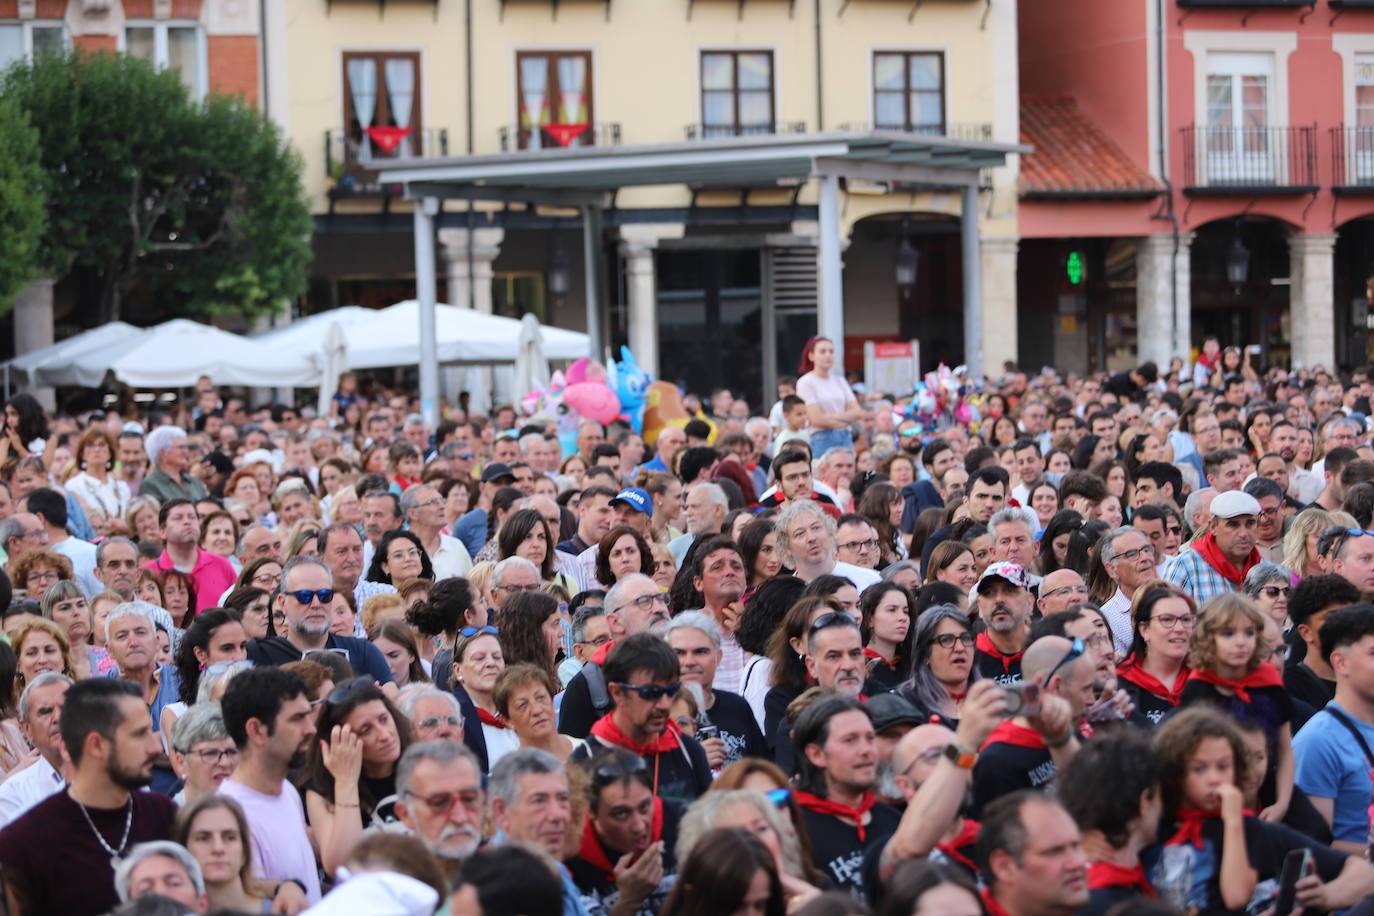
(1108, 647)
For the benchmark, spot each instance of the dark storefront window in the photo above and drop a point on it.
(709, 320)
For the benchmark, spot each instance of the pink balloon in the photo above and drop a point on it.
(593, 400)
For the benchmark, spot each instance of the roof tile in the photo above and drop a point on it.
(1073, 155)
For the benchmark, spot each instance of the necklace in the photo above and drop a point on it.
(115, 854)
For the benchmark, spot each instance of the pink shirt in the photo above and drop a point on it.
(212, 575)
(831, 393)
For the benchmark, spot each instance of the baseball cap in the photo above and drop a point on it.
(889, 709)
(495, 471)
(1006, 571)
(635, 498)
(1234, 503)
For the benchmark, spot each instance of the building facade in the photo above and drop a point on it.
(692, 273)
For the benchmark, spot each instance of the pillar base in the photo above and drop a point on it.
(1163, 317)
(1312, 299)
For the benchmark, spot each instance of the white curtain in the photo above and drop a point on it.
(400, 87)
(572, 86)
(534, 80)
(362, 88)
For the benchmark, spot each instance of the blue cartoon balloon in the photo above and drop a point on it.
(631, 385)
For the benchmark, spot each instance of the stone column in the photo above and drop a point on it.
(1311, 303)
(999, 303)
(486, 245)
(33, 329)
(1159, 339)
(638, 242)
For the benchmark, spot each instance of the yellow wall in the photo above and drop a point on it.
(645, 69)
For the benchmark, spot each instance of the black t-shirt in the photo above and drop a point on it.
(1271, 707)
(1304, 684)
(775, 704)
(363, 656)
(54, 864)
(680, 775)
(880, 672)
(1188, 877)
(736, 726)
(1151, 707)
(576, 714)
(836, 847)
(1004, 766)
(1102, 899)
(990, 666)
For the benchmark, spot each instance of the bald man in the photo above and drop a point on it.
(1060, 589)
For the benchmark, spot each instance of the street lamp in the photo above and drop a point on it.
(1238, 263)
(907, 263)
(559, 280)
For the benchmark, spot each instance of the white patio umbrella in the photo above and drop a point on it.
(333, 362)
(65, 362)
(531, 368)
(177, 352)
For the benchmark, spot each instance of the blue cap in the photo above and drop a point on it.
(635, 498)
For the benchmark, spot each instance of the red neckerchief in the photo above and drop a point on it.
(985, 645)
(486, 718)
(600, 655)
(873, 654)
(991, 905)
(1008, 733)
(1190, 822)
(968, 835)
(1105, 874)
(835, 809)
(1266, 675)
(956, 697)
(1209, 551)
(1129, 670)
(593, 853)
(606, 729)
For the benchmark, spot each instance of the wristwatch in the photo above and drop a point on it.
(960, 756)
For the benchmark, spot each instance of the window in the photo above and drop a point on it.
(554, 96)
(736, 93)
(175, 45)
(1240, 145)
(382, 105)
(909, 92)
(20, 40)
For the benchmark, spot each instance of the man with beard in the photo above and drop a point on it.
(40, 716)
(726, 727)
(532, 806)
(1004, 603)
(1216, 563)
(1032, 858)
(837, 766)
(268, 714)
(439, 787)
(59, 857)
(937, 457)
(643, 677)
(1305, 485)
(1026, 751)
(305, 598)
(625, 864)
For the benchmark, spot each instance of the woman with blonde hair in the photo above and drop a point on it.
(756, 813)
(38, 569)
(303, 539)
(141, 517)
(41, 646)
(1300, 553)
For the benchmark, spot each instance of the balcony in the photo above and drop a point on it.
(1245, 4)
(1352, 160)
(1249, 160)
(978, 133)
(518, 138)
(719, 131)
(349, 159)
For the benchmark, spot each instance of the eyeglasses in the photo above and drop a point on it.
(1268, 513)
(516, 588)
(644, 602)
(436, 501)
(436, 721)
(947, 640)
(831, 619)
(599, 641)
(1170, 621)
(1130, 555)
(348, 688)
(870, 544)
(468, 632)
(1065, 590)
(305, 595)
(465, 456)
(930, 756)
(444, 801)
(1074, 652)
(652, 693)
(210, 756)
(1274, 591)
(49, 576)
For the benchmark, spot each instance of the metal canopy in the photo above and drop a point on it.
(587, 177)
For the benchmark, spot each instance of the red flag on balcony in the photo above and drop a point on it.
(388, 138)
(563, 134)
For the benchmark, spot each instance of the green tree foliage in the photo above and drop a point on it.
(193, 207)
(21, 201)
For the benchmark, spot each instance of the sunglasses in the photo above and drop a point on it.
(619, 769)
(345, 690)
(305, 595)
(1274, 591)
(780, 797)
(1075, 651)
(652, 693)
(1334, 537)
(832, 619)
(468, 632)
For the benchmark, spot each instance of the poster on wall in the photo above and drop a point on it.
(892, 368)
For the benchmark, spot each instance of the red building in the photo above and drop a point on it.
(1201, 167)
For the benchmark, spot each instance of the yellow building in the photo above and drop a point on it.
(693, 275)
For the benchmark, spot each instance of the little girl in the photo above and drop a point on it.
(406, 465)
(1215, 857)
(1224, 655)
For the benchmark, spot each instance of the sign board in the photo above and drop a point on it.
(892, 368)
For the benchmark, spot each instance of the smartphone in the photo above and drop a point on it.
(1023, 700)
(1295, 865)
(1254, 349)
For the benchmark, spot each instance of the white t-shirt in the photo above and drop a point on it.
(831, 393)
(281, 848)
(861, 577)
(27, 788)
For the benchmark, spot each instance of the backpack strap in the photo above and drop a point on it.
(1351, 727)
(596, 687)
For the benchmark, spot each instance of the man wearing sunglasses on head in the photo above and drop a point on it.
(1026, 751)
(307, 591)
(1352, 558)
(644, 678)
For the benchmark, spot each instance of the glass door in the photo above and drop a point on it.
(1240, 145)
